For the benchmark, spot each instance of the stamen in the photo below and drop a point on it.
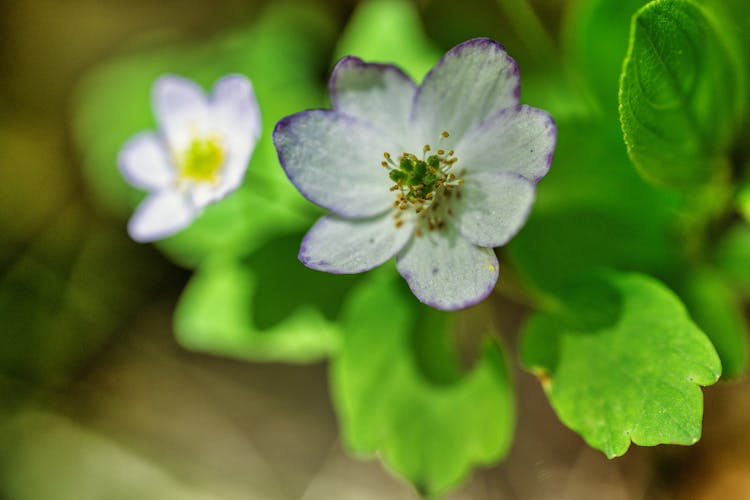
(420, 184)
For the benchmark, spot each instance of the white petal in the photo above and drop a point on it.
(520, 139)
(232, 174)
(338, 245)
(334, 161)
(144, 162)
(160, 215)
(181, 109)
(236, 115)
(447, 272)
(494, 206)
(234, 111)
(380, 94)
(471, 82)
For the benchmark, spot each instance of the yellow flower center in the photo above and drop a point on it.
(202, 160)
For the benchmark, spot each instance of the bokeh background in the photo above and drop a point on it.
(97, 398)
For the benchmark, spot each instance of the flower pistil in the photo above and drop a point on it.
(203, 160)
(425, 185)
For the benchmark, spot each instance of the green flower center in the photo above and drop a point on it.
(425, 185)
(202, 160)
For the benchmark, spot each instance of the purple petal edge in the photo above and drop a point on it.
(471, 302)
(552, 131)
(307, 263)
(458, 49)
(525, 216)
(281, 127)
(353, 61)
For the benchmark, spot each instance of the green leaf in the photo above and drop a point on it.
(717, 309)
(681, 94)
(389, 31)
(265, 307)
(636, 379)
(399, 392)
(279, 54)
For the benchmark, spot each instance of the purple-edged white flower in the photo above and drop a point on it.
(197, 157)
(436, 175)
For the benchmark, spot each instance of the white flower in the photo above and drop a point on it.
(199, 155)
(436, 175)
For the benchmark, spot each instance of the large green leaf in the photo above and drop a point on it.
(266, 306)
(399, 392)
(635, 377)
(279, 54)
(681, 94)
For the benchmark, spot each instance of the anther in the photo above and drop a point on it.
(399, 223)
(445, 134)
(426, 148)
(441, 152)
(384, 163)
(394, 187)
(387, 155)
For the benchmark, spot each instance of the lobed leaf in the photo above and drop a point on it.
(635, 378)
(398, 392)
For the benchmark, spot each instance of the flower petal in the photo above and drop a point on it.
(494, 206)
(334, 161)
(338, 245)
(235, 109)
(181, 109)
(472, 81)
(144, 163)
(160, 215)
(380, 94)
(447, 272)
(520, 139)
(235, 113)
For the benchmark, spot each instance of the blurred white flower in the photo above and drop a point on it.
(197, 157)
